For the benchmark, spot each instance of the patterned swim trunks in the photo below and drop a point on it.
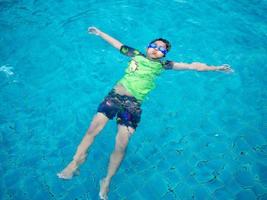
(127, 108)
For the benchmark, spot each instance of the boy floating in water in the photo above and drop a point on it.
(124, 101)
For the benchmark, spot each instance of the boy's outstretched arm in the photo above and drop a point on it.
(117, 44)
(200, 67)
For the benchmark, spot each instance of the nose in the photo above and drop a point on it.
(154, 51)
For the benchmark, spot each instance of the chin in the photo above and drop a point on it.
(157, 57)
(153, 56)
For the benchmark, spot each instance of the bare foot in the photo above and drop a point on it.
(103, 194)
(69, 171)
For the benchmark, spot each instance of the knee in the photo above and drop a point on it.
(93, 130)
(121, 144)
(120, 148)
(91, 134)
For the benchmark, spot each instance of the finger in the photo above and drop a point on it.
(92, 29)
(229, 70)
(226, 65)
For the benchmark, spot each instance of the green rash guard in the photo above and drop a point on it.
(139, 78)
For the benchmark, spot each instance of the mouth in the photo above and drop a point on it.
(154, 53)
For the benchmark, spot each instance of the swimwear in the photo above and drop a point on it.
(139, 78)
(127, 108)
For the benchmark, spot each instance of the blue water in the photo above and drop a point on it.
(202, 135)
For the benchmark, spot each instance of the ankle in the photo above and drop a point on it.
(79, 158)
(74, 163)
(107, 179)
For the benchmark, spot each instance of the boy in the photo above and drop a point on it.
(124, 101)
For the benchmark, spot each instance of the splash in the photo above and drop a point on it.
(7, 70)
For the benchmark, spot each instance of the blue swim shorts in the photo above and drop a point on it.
(126, 108)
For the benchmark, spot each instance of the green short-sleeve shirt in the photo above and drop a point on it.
(139, 78)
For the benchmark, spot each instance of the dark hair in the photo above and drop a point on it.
(168, 44)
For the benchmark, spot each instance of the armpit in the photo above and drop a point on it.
(168, 64)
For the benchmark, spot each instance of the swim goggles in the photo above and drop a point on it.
(160, 48)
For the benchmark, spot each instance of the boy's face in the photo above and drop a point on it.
(155, 53)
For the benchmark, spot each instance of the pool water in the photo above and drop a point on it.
(202, 134)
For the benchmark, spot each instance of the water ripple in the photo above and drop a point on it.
(7, 70)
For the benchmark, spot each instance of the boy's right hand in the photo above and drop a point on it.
(94, 30)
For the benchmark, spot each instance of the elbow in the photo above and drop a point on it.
(118, 46)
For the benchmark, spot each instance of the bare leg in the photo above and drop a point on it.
(116, 157)
(97, 124)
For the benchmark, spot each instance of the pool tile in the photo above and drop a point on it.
(184, 191)
(240, 144)
(75, 192)
(183, 169)
(244, 178)
(245, 195)
(112, 196)
(125, 188)
(254, 138)
(222, 193)
(262, 172)
(172, 177)
(147, 173)
(203, 175)
(135, 196)
(262, 197)
(190, 180)
(41, 195)
(258, 189)
(200, 192)
(163, 165)
(137, 180)
(155, 187)
(233, 186)
(214, 184)
(169, 196)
